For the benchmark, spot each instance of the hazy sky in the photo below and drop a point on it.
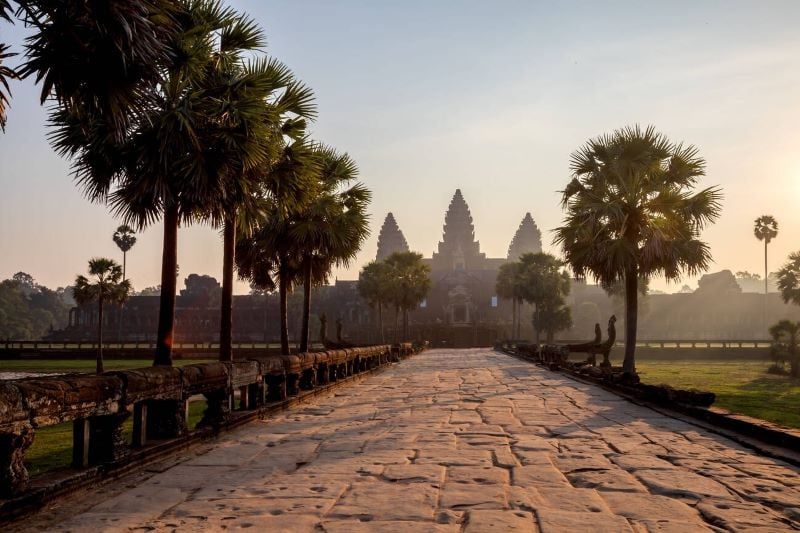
(491, 97)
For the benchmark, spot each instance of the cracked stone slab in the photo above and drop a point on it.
(446, 441)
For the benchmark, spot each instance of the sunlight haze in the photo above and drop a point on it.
(491, 98)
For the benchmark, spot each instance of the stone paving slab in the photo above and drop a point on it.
(453, 441)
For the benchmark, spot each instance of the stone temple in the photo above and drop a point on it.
(462, 307)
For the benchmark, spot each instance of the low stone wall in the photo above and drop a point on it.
(158, 398)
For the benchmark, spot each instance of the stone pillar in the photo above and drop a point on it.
(81, 436)
(276, 388)
(218, 408)
(139, 424)
(167, 419)
(13, 474)
(107, 442)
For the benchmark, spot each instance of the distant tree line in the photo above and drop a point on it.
(28, 310)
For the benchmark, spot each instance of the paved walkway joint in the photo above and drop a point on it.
(452, 441)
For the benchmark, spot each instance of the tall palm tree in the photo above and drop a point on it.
(633, 211)
(6, 73)
(268, 256)
(765, 229)
(374, 285)
(329, 231)
(106, 285)
(99, 61)
(411, 281)
(264, 105)
(169, 164)
(124, 237)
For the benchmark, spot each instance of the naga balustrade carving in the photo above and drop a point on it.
(158, 399)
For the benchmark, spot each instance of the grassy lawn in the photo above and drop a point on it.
(52, 446)
(742, 387)
(81, 365)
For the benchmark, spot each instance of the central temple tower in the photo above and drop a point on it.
(458, 249)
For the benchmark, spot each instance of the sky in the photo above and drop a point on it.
(489, 97)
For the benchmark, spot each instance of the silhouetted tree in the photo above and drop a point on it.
(106, 285)
(544, 285)
(124, 237)
(410, 282)
(331, 227)
(765, 229)
(633, 212)
(786, 335)
(375, 286)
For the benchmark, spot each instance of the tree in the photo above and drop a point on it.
(744, 274)
(375, 286)
(508, 286)
(544, 285)
(765, 229)
(6, 73)
(124, 237)
(106, 285)
(410, 283)
(330, 229)
(168, 163)
(633, 212)
(269, 256)
(97, 61)
(789, 279)
(786, 335)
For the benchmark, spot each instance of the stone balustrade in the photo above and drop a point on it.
(158, 398)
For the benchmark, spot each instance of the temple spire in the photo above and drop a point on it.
(528, 239)
(390, 239)
(458, 248)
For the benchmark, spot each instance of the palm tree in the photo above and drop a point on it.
(269, 105)
(99, 61)
(765, 229)
(169, 164)
(411, 281)
(106, 285)
(268, 256)
(329, 231)
(633, 211)
(789, 279)
(374, 285)
(124, 238)
(6, 73)
(508, 287)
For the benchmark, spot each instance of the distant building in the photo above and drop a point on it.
(462, 308)
(390, 239)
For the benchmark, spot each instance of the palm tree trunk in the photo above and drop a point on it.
(226, 309)
(284, 310)
(513, 317)
(396, 318)
(766, 284)
(169, 282)
(380, 322)
(405, 325)
(100, 334)
(121, 312)
(307, 275)
(631, 319)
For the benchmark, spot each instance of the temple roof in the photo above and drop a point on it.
(390, 239)
(528, 239)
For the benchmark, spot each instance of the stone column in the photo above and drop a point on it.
(13, 474)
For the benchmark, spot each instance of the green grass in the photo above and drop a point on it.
(742, 387)
(81, 365)
(52, 446)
